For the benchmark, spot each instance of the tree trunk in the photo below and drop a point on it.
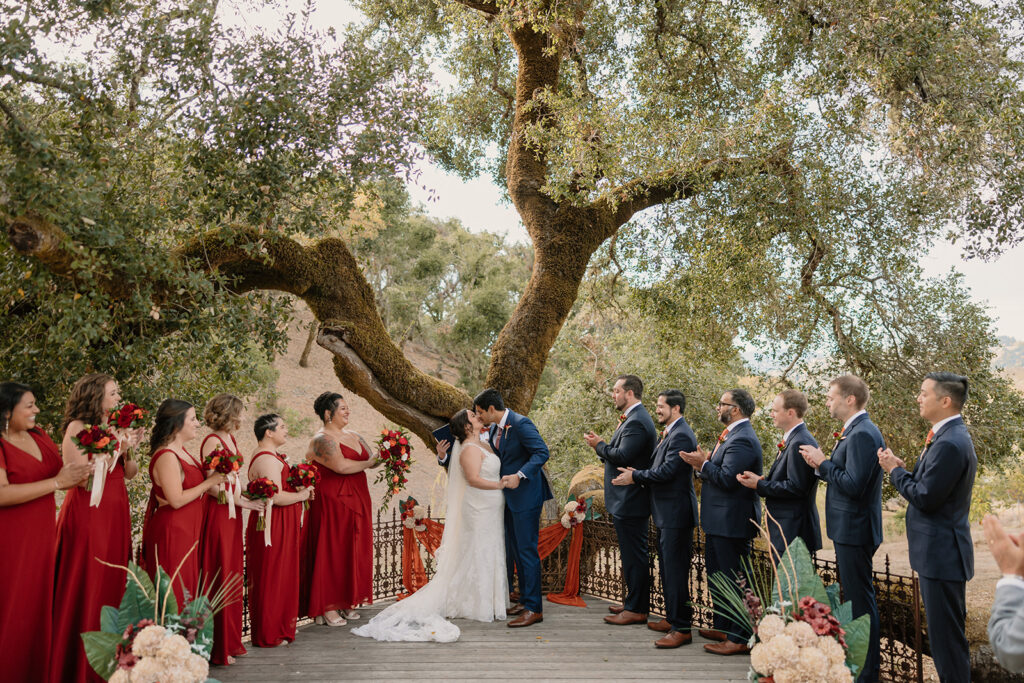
(310, 338)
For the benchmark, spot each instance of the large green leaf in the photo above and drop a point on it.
(844, 613)
(858, 633)
(101, 651)
(797, 576)
(137, 602)
(833, 596)
(110, 620)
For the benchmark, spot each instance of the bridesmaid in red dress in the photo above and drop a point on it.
(87, 534)
(174, 518)
(340, 534)
(30, 471)
(220, 549)
(274, 568)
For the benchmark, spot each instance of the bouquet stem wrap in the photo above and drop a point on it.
(232, 485)
(102, 465)
(266, 522)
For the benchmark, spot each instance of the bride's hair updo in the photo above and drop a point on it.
(460, 425)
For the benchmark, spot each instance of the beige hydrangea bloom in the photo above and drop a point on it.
(802, 633)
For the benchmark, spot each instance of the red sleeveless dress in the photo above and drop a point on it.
(29, 533)
(274, 569)
(220, 556)
(83, 585)
(340, 539)
(169, 534)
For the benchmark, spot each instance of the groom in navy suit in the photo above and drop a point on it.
(938, 528)
(853, 502)
(632, 445)
(523, 453)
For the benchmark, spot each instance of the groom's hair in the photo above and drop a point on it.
(489, 398)
(460, 425)
(674, 398)
(632, 383)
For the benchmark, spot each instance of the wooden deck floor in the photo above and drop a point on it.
(571, 643)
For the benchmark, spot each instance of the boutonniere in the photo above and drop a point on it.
(622, 418)
(928, 439)
(781, 445)
(722, 437)
(839, 435)
(504, 433)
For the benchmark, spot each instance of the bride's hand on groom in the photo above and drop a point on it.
(625, 477)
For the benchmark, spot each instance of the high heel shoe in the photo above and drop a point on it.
(352, 615)
(324, 620)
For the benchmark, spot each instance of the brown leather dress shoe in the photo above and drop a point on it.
(514, 610)
(527, 618)
(615, 609)
(513, 597)
(663, 626)
(673, 639)
(625, 618)
(712, 634)
(727, 648)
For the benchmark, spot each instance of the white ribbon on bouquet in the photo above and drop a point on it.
(232, 486)
(266, 521)
(101, 465)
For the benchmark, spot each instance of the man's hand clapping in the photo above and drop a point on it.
(1006, 548)
(695, 459)
(592, 439)
(889, 461)
(812, 456)
(625, 477)
(749, 479)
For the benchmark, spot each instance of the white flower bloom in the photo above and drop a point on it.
(174, 649)
(419, 512)
(408, 522)
(421, 527)
(565, 521)
(571, 506)
(802, 633)
(838, 673)
(773, 655)
(147, 670)
(833, 650)
(198, 667)
(580, 516)
(147, 641)
(121, 676)
(813, 662)
(771, 626)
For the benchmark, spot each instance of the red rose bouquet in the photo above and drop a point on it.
(304, 476)
(395, 454)
(261, 488)
(95, 440)
(128, 416)
(222, 461)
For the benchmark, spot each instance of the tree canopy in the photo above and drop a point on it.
(767, 171)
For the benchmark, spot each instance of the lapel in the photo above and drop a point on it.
(840, 447)
(720, 447)
(784, 453)
(490, 438)
(935, 437)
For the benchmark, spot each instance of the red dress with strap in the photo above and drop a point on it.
(83, 585)
(274, 568)
(220, 556)
(168, 534)
(340, 539)
(29, 537)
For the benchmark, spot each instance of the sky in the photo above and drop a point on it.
(999, 284)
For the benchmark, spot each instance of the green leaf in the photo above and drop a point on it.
(110, 619)
(833, 596)
(858, 633)
(844, 613)
(137, 602)
(798, 577)
(101, 650)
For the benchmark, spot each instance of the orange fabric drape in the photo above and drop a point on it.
(414, 574)
(549, 538)
(570, 594)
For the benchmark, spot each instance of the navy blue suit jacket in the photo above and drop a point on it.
(632, 445)
(939, 491)
(521, 449)
(669, 482)
(727, 507)
(790, 489)
(853, 499)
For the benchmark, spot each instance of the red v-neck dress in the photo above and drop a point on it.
(83, 585)
(274, 569)
(29, 536)
(168, 534)
(220, 557)
(340, 539)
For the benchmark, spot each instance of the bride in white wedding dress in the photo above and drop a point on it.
(470, 581)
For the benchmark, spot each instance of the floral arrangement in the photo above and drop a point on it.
(261, 488)
(413, 514)
(304, 476)
(805, 634)
(225, 462)
(95, 440)
(578, 510)
(395, 454)
(148, 640)
(128, 416)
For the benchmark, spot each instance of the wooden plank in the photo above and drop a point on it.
(571, 644)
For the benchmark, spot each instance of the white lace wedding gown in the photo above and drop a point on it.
(470, 581)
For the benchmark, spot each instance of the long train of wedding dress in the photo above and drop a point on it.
(470, 581)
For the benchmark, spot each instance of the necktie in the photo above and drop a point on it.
(721, 438)
(497, 437)
(928, 439)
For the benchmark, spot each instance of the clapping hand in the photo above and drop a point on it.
(1006, 548)
(592, 439)
(749, 479)
(889, 461)
(812, 456)
(696, 459)
(625, 478)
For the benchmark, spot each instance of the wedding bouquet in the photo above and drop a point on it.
(148, 639)
(395, 454)
(413, 514)
(574, 512)
(261, 488)
(304, 476)
(129, 416)
(95, 440)
(222, 461)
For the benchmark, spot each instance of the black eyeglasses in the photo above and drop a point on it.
(722, 405)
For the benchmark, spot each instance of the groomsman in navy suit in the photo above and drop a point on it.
(669, 484)
(938, 529)
(729, 513)
(790, 489)
(632, 445)
(853, 501)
